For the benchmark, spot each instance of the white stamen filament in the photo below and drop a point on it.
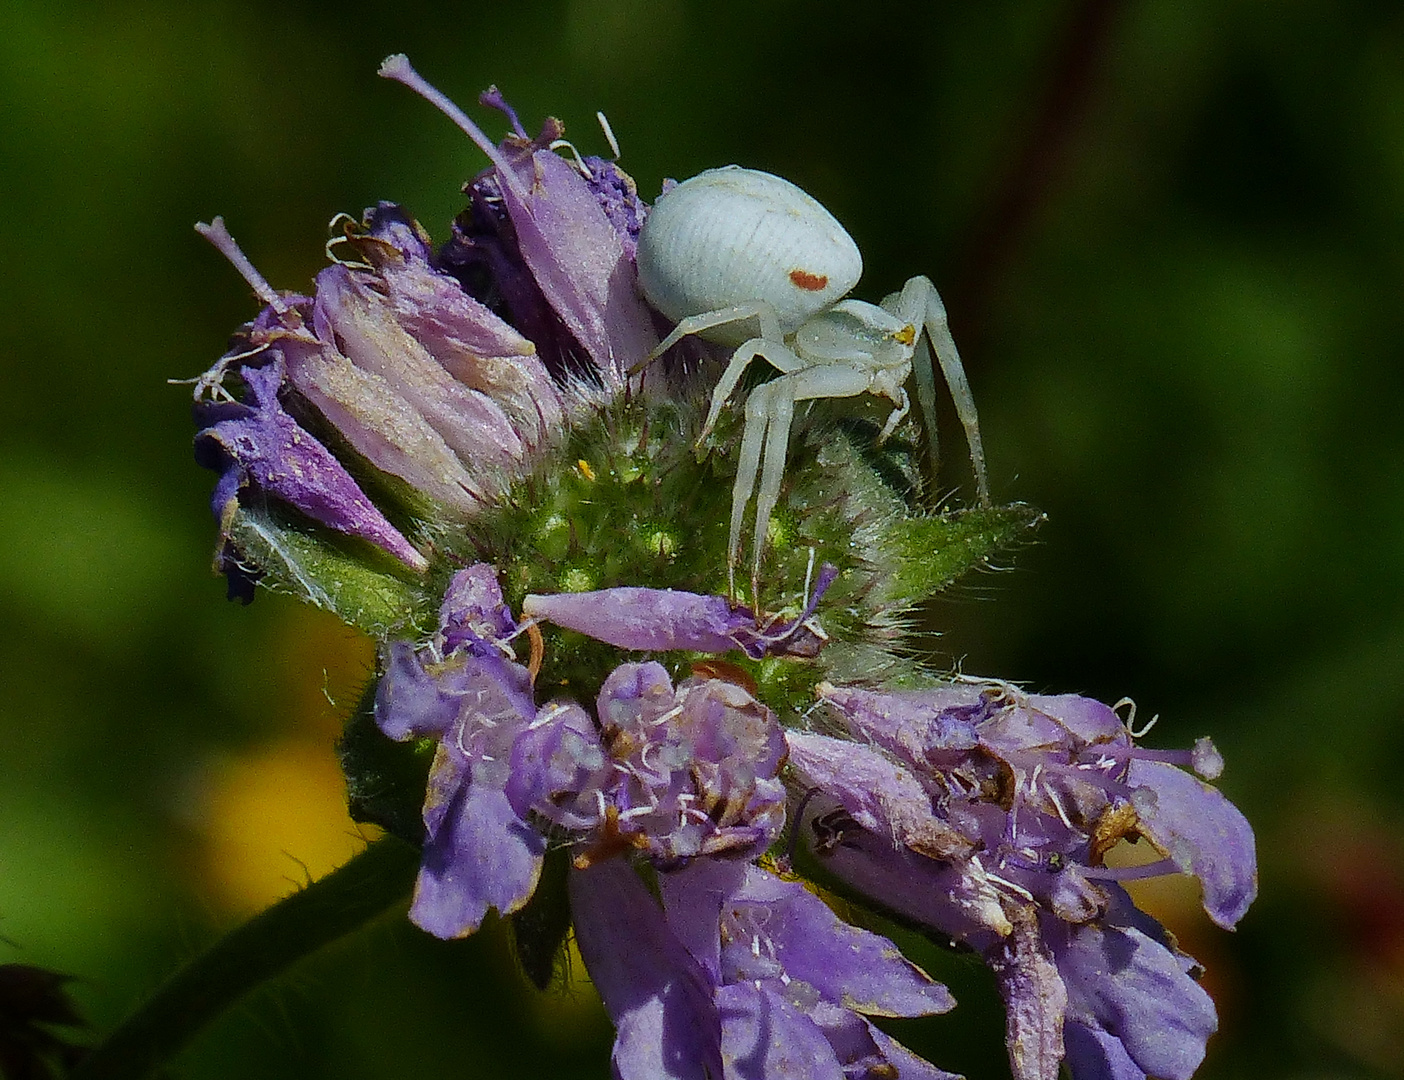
(608, 134)
(1057, 805)
(566, 144)
(1017, 889)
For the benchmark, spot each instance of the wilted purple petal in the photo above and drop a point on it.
(353, 316)
(1017, 728)
(911, 724)
(421, 379)
(1093, 1054)
(880, 795)
(470, 342)
(1202, 832)
(258, 442)
(578, 260)
(1035, 1000)
(566, 240)
(384, 428)
(658, 996)
(849, 966)
(958, 899)
(1122, 982)
(659, 620)
(765, 1037)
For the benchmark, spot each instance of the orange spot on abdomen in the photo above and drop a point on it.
(803, 279)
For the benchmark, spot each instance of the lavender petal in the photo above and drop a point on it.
(880, 795)
(579, 263)
(910, 724)
(1093, 1054)
(259, 443)
(1202, 832)
(658, 996)
(1122, 982)
(765, 1037)
(409, 702)
(1087, 719)
(693, 897)
(557, 764)
(478, 855)
(659, 620)
(473, 609)
(907, 1064)
(849, 966)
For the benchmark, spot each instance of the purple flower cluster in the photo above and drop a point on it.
(972, 809)
(986, 814)
(737, 972)
(424, 382)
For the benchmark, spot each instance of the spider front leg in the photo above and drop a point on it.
(896, 416)
(759, 310)
(771, 349)
(769, 411)
(920, 304)
(754, 435)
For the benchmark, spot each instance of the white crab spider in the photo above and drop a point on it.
(734, 248)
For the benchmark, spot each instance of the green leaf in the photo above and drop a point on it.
(540, 928)
(385, 779)
(924, 555)
(349, 577)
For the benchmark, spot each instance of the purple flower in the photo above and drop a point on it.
(257, 444)
(421, 379)
(466, 691)
(673, 773)
(986, 813)
(544, 214)
(657, 620)
(743, 975)
(454, 379)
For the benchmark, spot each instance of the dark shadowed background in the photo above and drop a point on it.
(1171, 236)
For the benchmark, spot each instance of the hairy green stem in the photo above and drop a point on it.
(344, 900)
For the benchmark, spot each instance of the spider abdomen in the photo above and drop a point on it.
(733, 236)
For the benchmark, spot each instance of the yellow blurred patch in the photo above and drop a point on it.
(571, 1006)
(273, 818)
(276, 821)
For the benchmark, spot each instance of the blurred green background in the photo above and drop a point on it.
(1171, 235)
